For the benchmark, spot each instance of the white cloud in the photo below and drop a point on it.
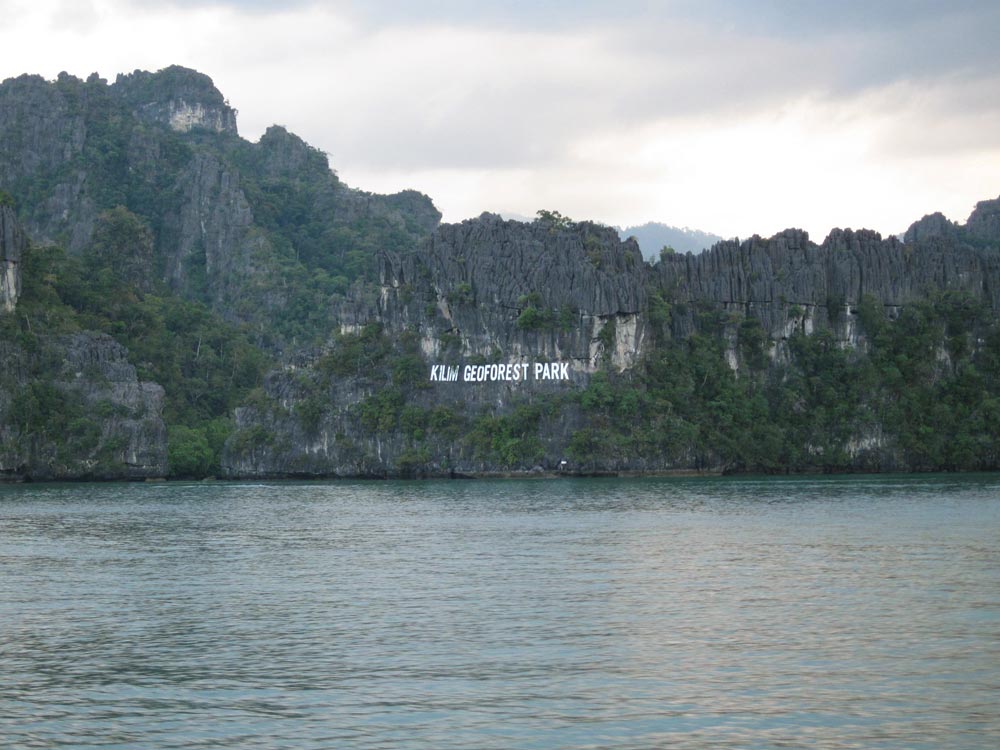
(734, 128)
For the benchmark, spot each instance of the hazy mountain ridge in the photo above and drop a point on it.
(653, 236)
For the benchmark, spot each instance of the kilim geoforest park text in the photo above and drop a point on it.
(519, 372)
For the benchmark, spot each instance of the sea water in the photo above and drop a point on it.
(602, 613)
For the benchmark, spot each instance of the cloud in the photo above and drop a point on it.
(728, 116)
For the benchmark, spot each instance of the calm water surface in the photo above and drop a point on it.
(744, 613)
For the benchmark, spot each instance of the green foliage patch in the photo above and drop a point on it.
(206, 365)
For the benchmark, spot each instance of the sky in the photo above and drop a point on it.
(730, 116)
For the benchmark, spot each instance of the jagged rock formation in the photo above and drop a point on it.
(12, 244)
(486, 291)
(489, 287)
(790, 283)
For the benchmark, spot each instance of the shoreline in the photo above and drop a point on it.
(486, 475)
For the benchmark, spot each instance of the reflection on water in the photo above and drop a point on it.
(753, 613)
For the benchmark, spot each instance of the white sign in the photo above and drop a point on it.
(494, 373)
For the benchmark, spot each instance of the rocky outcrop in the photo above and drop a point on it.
(96, 370)
(283, 159)
(12, 244)
(282, 155)
(71, 406)
(494, 288)
(74, 409)
(181, 98)
(932, 226)
(42, 127)
(210, 233)
(43, 131)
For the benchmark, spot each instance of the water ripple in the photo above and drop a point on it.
(750, 613)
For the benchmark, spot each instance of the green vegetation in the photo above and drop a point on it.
(461, 295)
(534, 316)
(554, 220)
(593, 249)
(509, 440)
(206, 365)
(921, 388)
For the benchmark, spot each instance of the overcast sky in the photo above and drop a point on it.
(730, 116)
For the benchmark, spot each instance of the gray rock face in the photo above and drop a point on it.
(932, 226)
(788, 282)
(211, 232)
(119, 433)
(585, 267)
(519, 291)
(12, 245)
(42, 129)
(340, 444)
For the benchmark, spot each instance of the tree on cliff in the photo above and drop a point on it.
(555, 220)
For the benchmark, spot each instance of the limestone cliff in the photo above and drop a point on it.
(71, 405)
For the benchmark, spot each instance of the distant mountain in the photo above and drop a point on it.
(511, 216)
(652, 236)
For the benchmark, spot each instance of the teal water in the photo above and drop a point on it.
(707, 613)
